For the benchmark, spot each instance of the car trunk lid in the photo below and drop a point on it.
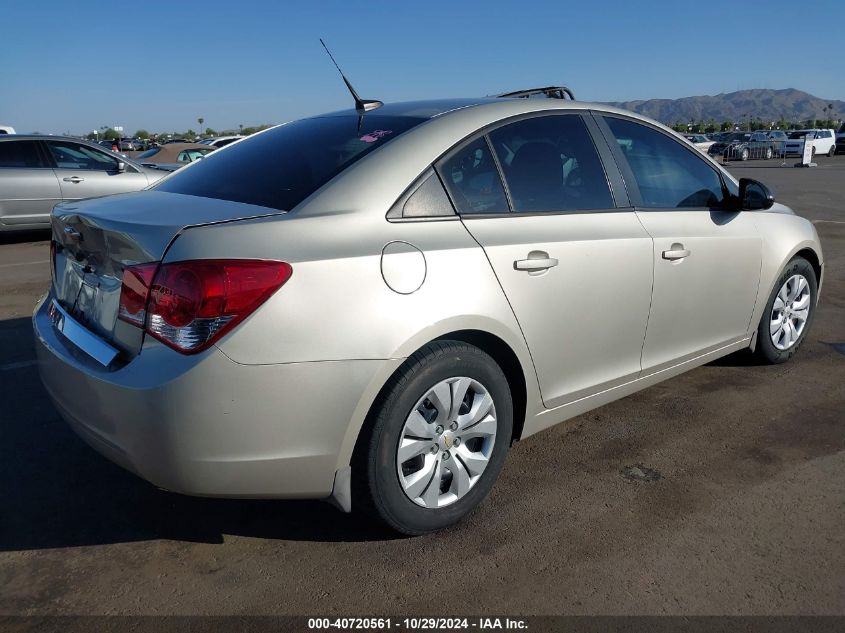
(96, 239)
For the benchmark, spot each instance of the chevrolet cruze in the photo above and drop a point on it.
(372, 306)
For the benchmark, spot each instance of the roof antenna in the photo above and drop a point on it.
(362, 105)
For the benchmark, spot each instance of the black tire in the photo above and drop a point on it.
(376, 486)
(813, 152)
(831, 151)
(766, 350)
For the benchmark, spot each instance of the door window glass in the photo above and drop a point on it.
(76, 156)
(668, 174)
(551, 164)
(473, 181)
(22, 154)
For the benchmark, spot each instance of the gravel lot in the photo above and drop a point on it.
(746, 516)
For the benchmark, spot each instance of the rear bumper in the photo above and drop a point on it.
(206, 425)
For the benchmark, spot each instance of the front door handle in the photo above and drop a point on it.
(676, 252)
(537, 261)
(73, 179)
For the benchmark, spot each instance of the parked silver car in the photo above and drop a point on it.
(36, 172)
(372, 306)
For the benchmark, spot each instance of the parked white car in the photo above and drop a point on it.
(824, 142)
(6, 129)
(700, 141)
(220, 141)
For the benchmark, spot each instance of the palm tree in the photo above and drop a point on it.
(200, 121)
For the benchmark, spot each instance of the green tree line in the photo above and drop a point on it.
(109, 134)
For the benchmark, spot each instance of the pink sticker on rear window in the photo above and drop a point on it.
(375, 135)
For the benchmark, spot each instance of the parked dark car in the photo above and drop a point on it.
(743, 145)
(778, 138)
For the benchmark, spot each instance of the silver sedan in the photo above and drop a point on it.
(372, 306)
(36, 172)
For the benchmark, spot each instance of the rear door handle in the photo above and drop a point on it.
(532, 264)
(74, 179)
(676, 251)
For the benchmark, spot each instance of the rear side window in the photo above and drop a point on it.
(23, 154)
(281, 167)
(551, 164)
(668, 174)
(472, 179)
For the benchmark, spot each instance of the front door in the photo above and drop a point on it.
(85, 172)
(706, 257)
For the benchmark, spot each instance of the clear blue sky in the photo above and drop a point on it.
(161, 64)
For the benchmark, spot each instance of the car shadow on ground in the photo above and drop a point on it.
(55, 491)
(21, 237)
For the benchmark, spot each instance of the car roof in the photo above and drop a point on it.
(492, 107)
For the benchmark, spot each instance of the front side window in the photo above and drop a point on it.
(21, 154)
(190, 155)
(76, 156)
(472, 179)
(668, 174)
(551, 164)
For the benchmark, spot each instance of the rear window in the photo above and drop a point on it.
(281, 167)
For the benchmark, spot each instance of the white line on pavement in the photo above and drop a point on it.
(40, 261)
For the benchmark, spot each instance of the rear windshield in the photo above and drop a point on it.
(281, 167)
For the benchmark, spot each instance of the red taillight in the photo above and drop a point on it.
(189, 305)
(134, 293)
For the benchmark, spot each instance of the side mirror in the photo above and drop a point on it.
(754, 195)
(121, 167)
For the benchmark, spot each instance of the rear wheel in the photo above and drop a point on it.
(769, 153)
(744, 155)
(438, 440)
(789, 312)
(832, 150)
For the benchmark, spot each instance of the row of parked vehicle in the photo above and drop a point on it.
(36, 172)
(767, 144)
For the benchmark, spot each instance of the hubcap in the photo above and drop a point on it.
(446, 442)
(790, 312)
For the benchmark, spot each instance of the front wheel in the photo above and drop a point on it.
(789, 312)
(769, 153)
(438, 440)
(831, 151)
(744, 155)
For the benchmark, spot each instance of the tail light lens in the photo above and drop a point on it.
(190, 305)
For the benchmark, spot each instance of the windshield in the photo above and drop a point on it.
(281, 167)
(739, 136)
(799, 135)
(149, 153)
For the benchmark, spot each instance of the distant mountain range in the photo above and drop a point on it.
(769, 105)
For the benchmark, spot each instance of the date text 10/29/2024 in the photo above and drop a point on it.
(416, 624)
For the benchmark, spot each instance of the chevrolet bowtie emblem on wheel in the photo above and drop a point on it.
(447, 441)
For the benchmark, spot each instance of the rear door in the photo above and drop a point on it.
(706, 257)
(570, 254)
(86, 172)
(28, 187)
